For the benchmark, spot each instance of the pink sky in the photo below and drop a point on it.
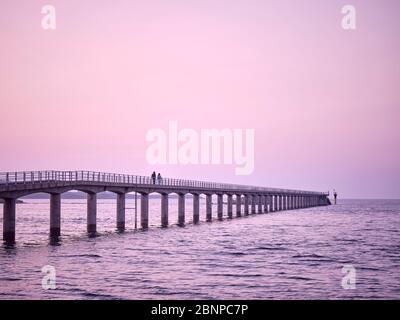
(324, 102)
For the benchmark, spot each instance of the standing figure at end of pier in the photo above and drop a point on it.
(334, 197)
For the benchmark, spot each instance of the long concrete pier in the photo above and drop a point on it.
(248, 199)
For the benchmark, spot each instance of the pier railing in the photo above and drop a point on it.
(26, 177)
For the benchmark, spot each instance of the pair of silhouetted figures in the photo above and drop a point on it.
(155, 177)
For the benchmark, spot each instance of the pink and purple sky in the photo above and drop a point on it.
(324, 102)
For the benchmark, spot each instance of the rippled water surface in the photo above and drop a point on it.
(296, 254)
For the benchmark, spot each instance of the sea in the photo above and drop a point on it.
(346, 251)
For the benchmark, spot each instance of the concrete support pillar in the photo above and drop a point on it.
(196, 208)
(253, 204)
(91, 212)
(209, 207)
(9, 220)
(273, 203)
(238, 205)
(290, 202)
(121, 212)
(281, 203)
(164, 210)
(181, 209)
(144, 210)
(55, 215)
(220, 206)
(260, 203)
(230, 209)
(269, 203)
(266, 203)
(246, 204)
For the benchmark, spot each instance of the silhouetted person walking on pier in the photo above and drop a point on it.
(334, 196)
(153, 177)
(159, 178)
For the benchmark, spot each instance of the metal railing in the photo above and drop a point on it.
(25, 177)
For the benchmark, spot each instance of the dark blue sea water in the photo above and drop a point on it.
(296, 254)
